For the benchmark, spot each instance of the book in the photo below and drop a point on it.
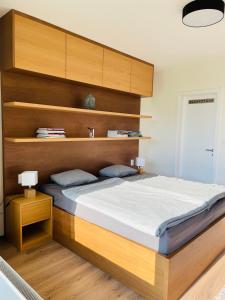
(50, 136)
(123, 133)
(50, 132)
(117, 133)
(50, 129)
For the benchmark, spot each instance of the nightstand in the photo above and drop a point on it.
(28, 220)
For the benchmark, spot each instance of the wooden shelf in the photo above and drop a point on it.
(25, 105)
(70, 139)
(34, 237)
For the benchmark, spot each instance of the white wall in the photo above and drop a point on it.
(171, 82)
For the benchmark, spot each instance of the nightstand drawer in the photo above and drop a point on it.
(36, 211)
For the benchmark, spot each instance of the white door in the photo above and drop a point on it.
(198, 128)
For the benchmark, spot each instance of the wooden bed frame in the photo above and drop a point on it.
(152, 275)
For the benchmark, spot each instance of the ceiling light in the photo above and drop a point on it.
(201, 13)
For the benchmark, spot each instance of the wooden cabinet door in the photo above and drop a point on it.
(38, 47)
(141, 78)
(84, 60)
(116, 71)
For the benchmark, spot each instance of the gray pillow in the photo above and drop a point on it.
(117, 171)
(73, 177)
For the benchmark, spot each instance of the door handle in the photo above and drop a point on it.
(209, 150)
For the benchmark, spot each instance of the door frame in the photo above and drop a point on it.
(182, 98)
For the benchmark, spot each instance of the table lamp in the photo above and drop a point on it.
(28, 178)
(140, 163)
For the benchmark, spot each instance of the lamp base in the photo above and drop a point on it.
(141, 170)
(29, 193)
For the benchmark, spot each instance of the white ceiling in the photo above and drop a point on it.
(149, 29)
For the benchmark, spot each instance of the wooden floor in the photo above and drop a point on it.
(57, 273)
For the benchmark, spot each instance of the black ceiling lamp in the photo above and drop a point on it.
(202, 13)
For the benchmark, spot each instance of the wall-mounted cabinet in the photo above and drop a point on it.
(83, 60)
(116, 71)
(38, 48)
(141, 78)
(33, 45)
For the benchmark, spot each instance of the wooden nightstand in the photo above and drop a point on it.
(28, 220)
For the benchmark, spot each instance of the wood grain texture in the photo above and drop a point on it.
(33, 89)
(114, 254)
(141, 78)
(64, 140)
(120, 251)
(50, 158)
(165, 278)
(36, 211)
(28, 221)
(27, 88)
(76, 35)
(38, 47)
(57, 273)
(116, 71)
(13, 228)
(61, 274)
(59, 53)
(189, 262)
(208, 286)
(27, 105)
(6, 41)
(84, 61)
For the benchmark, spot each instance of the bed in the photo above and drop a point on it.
(157, 267)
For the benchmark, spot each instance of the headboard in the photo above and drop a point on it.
(48, 158)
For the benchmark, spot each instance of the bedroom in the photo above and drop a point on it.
(75, 97)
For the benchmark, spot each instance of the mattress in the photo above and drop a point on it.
(171, 240)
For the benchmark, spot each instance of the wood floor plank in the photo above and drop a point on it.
(57, 273)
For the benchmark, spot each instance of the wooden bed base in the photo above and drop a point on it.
(149, 273)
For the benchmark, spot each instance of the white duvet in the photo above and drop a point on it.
(151, 205)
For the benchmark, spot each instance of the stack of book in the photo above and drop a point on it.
(117, 133)
(123, 133)
(50, 133)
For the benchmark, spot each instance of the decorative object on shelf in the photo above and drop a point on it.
(28, 178)
(134, 134)
(117, 133)
(140, 163)
(50, 133)
(123, 133)
(202, 13)
(91, 132)
(89, 101)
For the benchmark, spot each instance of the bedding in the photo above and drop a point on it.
(184, 198)
(117, 171)
(132, 221)
(73, 177)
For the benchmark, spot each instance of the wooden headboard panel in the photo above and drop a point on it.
(49, 158)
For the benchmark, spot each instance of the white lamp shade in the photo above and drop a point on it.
(201, 13)
(203, 17)
(140, 162)
(28, 178)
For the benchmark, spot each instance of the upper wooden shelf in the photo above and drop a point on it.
(26, 105)
(71, 139)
